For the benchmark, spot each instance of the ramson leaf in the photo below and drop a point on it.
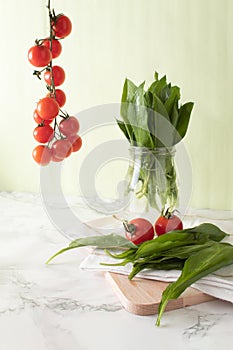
(126, 129)
(162, 126)
(138, 118)
(128, 93)
(172, 99)
(129, 90)
(183, 120)
(105, 242)
(165, 93)
(174, 115)
(158, 85)
(204, 262)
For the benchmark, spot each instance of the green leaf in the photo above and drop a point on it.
(169, 241)
(159, 107)
(157, 86)
(122, 126)
(204, 262)
(126, 129)
(138, 118)
(183, 120)
(156, 75)
(160, 264)
(165, 93)
(129, 90)
(107, 241)
(174, 115)
(172, 99)
(128, 93)
(187, 250)
(160, 124)
(127, 99)
(148, 97)
(213, 231)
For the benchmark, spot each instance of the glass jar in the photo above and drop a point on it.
(151, 181)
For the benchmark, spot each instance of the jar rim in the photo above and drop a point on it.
(159, 150)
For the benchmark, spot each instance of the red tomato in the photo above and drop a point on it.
(38, 119)
(39, 56)
(47, 108)
(139, 230)
(69, 126)
(60, 97)
(43, 134)
(62, 26)
(56, 47)
(76, 142)
(166, 224)
(61, 149)
(55, 159)
(42, 154)
(58, 76)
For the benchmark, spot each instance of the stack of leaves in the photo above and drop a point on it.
(196, 251)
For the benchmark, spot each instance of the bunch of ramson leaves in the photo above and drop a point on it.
(154, 120)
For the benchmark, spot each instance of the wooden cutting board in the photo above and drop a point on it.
(142, 296)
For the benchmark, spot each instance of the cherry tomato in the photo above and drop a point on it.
(43, 134)
(168, 223)
(62, 26)
(42, 154)
(62, 149)
(55, 159)
(39, 56)
(38, 119)
(139, 230)
(60, 97)
(47, 108)
(76, 142)
(69, 126)
(58, 76)
(56, 47)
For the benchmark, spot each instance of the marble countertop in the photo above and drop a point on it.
(59, 306)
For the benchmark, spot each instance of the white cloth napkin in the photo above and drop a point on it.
(218, 284)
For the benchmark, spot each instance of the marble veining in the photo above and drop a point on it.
(30, 294)
(204, 323)
(66, 304)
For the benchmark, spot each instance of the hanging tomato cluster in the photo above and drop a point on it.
(58, 141)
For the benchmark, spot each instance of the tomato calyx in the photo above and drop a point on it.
(38, 73)
(55, 17)
(64, 115)
(137, 230)
(167, 222)
(168, 214)
(130, 228)
(38, 42)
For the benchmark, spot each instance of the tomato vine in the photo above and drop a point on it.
(57, 143)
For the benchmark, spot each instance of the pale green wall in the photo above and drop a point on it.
(189, 40)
